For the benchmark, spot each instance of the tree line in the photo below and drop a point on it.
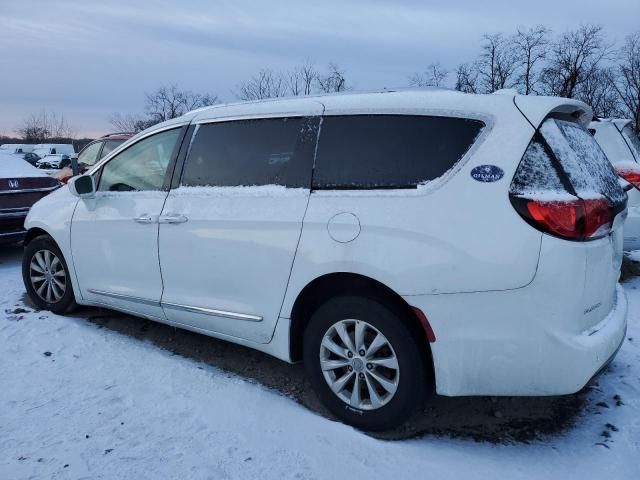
(578, 64)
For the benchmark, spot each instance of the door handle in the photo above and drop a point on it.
(172, 218)
(146, 218)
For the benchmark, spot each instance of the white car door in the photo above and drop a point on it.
(114, 235)
(229, 232)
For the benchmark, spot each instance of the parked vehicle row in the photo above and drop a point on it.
(395, 242)
(41, 155)
(622, 147)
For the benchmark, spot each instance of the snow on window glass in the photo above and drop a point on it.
(583, 160)
(632, 140)
(536, 175)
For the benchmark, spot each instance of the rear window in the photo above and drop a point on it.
(584, 162)
(564, 159)
(632, 140)
(389, 151)
(273, 151)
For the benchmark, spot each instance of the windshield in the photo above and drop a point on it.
(632, 140)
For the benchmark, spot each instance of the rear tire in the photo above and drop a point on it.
(375, 379)
(46, 276)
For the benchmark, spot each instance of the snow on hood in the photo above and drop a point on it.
(13, 166)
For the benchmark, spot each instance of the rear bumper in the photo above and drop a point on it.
(496, 343)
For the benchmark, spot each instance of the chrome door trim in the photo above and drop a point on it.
(211, 311)
(128, 298)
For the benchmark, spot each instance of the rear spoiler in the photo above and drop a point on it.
(535, 109)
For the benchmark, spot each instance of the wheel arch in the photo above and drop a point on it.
(33, 233)
(319, 290)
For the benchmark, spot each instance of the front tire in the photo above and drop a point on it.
(46, 276)
(364, 362)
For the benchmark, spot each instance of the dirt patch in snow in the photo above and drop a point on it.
(487, 419)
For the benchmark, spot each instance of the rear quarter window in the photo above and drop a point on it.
(389, 151)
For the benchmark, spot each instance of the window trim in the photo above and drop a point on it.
(97, 171)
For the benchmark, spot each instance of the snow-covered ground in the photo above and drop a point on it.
(79, 401)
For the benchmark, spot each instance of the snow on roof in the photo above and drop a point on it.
(446, 101)
(13, 166)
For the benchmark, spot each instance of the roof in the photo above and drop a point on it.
(117, 136)
(429, 101)
(435, 100)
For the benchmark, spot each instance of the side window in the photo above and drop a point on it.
(389, 151)
(89, 155)
(110, 146)
(142, 166)
(273, 151)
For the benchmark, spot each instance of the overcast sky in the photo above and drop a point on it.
(89, 59)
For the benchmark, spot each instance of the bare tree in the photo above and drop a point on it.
(130, 122)
(530, 50)
(498, 63)
(43, 126)
(628, 81)
(598, 90)
(170, 102)
(301, 80)
(574, 57)
(333, 80)
(467, 78)
(434, 76)
(265, 84)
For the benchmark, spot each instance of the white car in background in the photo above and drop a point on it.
(395, 242)
(44, 149)
(54, 160)
(622, 147)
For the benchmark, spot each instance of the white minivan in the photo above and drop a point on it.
(392, 241)
(622, 147)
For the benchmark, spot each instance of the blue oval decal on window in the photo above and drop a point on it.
(487, 173)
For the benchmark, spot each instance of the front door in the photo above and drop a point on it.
(229, 233)
(114, 236)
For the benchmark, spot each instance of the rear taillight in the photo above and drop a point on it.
(630, 173)
(571, 219)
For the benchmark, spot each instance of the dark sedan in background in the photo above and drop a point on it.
(21, 185)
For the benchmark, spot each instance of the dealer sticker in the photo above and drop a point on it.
(487, 173)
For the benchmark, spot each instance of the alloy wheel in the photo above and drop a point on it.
(48, 276)
(359, 364)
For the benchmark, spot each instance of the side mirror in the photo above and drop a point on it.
(82, 186)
